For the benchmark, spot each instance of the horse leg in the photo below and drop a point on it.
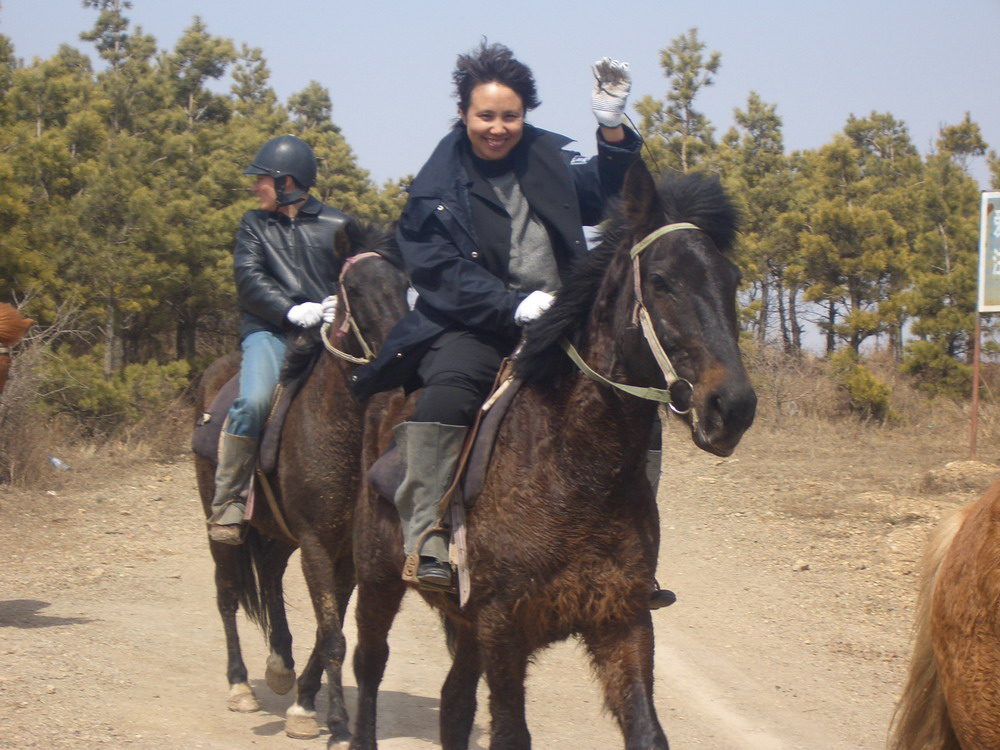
(622, 655)
(279, 671)
(241, 695)
(379, 597)
(327, 654)
(337, 717)
(505, 658)
(458, 695)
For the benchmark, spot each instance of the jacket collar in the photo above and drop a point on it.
(313, 205)
(444, 168)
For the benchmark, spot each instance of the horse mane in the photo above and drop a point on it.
(921, 716)
(376, 237)
(695, 198)
(367, 237)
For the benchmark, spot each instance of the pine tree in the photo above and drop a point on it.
(942, 299)
(677, 134)
(758, 175)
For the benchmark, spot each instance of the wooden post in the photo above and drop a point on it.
(975, 391)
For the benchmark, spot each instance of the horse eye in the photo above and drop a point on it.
(660, 283)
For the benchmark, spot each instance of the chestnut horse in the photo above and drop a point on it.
(314, 485)
(951, 700)
(13, 326)
(563, 537)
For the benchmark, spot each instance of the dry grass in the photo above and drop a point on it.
(29, 436)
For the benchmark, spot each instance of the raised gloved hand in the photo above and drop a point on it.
(611, 89)
(306, 314)
(532, 307)
(329, 308)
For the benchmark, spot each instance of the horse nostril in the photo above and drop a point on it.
(735, 411)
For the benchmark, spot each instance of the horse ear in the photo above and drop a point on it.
(342, 246)
(643, 209)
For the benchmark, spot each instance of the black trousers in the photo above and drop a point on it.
(456, 375)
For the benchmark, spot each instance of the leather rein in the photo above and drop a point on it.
(660, 395)
(349, 324)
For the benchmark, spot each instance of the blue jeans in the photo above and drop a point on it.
(263, 355)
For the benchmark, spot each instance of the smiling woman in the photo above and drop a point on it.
(493, 223)
(494, 121)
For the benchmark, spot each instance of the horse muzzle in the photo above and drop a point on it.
(719, 419)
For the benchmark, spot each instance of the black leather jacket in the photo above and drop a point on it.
(280, 262)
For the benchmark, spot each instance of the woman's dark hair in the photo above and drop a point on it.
(493, 63)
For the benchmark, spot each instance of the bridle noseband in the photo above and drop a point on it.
(670, 375)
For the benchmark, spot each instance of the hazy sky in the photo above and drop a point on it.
(388, 65)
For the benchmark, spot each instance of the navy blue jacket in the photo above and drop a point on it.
(455, 265)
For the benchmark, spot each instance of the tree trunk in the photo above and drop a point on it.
(112, 342)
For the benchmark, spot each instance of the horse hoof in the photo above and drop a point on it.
(278, 677)
(241, 699)
(301, 724)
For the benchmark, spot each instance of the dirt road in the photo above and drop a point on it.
(795, 564)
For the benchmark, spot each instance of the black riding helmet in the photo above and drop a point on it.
(283, 156)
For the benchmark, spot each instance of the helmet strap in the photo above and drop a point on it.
(296, 195)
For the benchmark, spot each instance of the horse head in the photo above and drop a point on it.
(12, 325)
(12, 328)
(371, 298)
(685, 286)
(372, 284)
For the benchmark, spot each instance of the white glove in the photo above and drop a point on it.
(306, 315)
(611, 89)
(532, 307)
(329, 306)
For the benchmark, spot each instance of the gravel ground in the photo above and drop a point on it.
(796, 563)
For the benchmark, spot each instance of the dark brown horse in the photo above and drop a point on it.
(951, 700)
(315, 486)
(13, 326)
(563, 537)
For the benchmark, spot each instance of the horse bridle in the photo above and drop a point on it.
(349, 322)
(664, 396)
(661, 395)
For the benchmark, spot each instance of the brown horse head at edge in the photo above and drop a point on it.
(13, 326)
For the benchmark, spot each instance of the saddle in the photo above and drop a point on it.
(208, 433)
(387, 473)
(208, 428)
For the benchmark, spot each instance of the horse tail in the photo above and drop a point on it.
(251, 580)
(921, 720)
(450, 635)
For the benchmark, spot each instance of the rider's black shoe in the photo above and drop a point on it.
(434, 575)
(659, 598)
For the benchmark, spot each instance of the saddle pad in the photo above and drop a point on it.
(208, 429)
(387, 473)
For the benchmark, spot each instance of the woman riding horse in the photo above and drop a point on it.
(493, 223)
